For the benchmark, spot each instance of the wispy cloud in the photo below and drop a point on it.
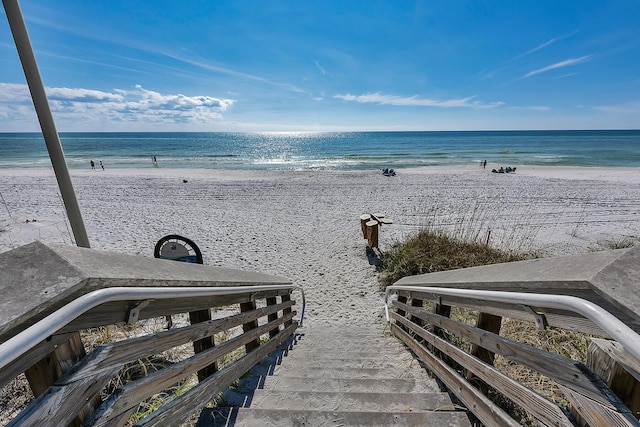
(626, 108)
(535, 49)
(130, 105)
(561, 64)
(509, 63)
(188, 58)
(415, 101)
(320, 68)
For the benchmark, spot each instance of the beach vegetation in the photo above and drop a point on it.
(433, 250)
(621, 243)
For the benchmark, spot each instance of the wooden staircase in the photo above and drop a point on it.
(364, 377)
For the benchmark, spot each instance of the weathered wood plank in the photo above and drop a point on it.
(555, 318)
(116, 312)
(618, 370)
(131, 394)
(116, 354)
(561, 369)
(44, 373)
(179, 409)
(416, 302)
(272, 317)
(286, 298)
(204, 343)
(248, 326)
(60, 404)
(36, 354)
(541, 408)
(486, 411)
(591, 413)
(491, 323)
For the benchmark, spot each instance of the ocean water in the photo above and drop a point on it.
(328, 151)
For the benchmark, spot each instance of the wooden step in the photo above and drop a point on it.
(325, 377)
(248, 417)
(346, 402)
(342, 372)
(384, 385)
(378, 362)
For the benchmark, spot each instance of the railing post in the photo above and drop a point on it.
(244, 307)
(203, 344)
(286, 298)
(606, 359)
(442, 310)
(403, 300)
(417, 303)
(44, 374)
(272, 317)
(490, 323)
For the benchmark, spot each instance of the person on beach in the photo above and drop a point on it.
(484, 164)
(93, 165)
(101, 165)
(153, 159)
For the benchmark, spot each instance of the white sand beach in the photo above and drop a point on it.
(305, 225)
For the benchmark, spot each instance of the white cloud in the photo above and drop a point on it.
(82, 95)
(561, 64)
(14, 93)
(96, 108)
(415, 101)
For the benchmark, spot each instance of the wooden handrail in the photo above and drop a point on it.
(420, 328)
(79, 289)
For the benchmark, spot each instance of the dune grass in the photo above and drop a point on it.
(433, 250)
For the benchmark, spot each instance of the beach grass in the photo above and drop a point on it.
(432, 250)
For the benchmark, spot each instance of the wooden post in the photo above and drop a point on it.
(204, 343)
(272, 317)
(403, 300)
(364, 218)
(491, 323)
(44, 374)
(417, 303)
(244, 307)
(607, 359)
(372, 233)
(286, 298)
(442, 310)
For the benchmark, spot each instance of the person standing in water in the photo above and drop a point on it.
(93, 165)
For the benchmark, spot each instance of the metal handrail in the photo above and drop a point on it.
(616, 329)
(21, 343)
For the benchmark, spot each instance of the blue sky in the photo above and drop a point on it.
(327, 65)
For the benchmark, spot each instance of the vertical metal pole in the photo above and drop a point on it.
(48, 126)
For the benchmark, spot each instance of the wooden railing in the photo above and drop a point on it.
(236, 317)
(461, 355)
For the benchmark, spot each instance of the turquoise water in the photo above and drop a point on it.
(335, 150)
